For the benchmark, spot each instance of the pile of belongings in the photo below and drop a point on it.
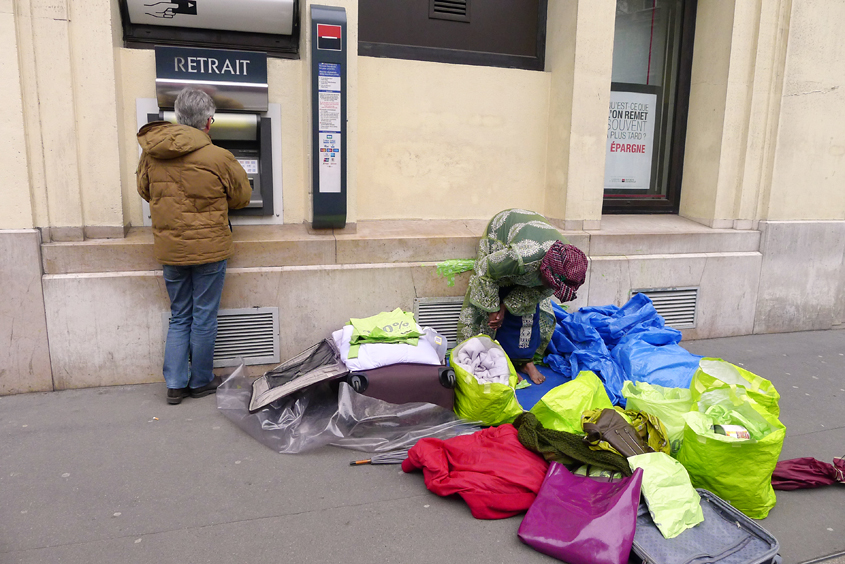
(388, 338)
(378, 385)
(625, 414)
(623, 452)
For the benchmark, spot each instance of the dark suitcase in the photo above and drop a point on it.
(315, 364)
(726, 536)
(397, 383)
(407, 383)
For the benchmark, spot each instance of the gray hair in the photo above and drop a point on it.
(194, 107)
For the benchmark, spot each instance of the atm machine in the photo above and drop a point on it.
(247, 137)
(244, 123)
(221, 47)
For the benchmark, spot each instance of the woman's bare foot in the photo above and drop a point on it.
(533, 373)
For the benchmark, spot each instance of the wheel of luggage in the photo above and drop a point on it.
(447, 378)
(358, 382)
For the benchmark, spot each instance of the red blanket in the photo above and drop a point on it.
(490, 470)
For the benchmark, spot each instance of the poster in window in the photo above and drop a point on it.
(630, 140)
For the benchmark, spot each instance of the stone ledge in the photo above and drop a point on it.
(631, 235)
(375, 242)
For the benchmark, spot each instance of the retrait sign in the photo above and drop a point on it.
(236, 80)
(211, 64)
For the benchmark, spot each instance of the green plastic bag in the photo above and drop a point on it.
(674, 504)
(490, 404)
(716, 373)
(737, 470)
(561, 408)
(667, 404)
(449, 268)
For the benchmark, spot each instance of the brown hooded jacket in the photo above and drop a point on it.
(190, 184)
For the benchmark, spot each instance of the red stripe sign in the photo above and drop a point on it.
(328, 31)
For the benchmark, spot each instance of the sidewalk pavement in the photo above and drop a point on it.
(110, 475)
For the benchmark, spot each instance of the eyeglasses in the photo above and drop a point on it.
(212, 120)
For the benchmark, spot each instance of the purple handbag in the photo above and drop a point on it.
(583, 521)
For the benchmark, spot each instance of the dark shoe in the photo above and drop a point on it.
(209, 388)
(175, 395)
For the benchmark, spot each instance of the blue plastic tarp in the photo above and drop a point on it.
(533, 393)
(620, 343)
(653, 355)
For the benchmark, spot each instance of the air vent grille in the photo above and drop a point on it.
(454, 10)
(250, 333)
(441, 314)
(677, 306)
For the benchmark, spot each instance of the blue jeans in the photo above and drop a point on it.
(194, 300)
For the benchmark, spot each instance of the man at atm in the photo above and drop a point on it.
(190, 184)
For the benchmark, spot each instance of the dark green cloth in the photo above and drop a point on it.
(567, 448)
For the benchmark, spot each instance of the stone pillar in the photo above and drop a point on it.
(70, 106)
(16, 211)
(579, 56)
(734, 104)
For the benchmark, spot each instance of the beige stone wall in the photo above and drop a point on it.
(16, 213)
(735, 119)
(453, 141)
(809, 162)
(443, 141)
(579, 61)
(561, 28)
(25, 351)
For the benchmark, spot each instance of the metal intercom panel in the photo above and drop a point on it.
(328, 102)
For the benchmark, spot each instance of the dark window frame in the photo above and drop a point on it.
(148, 36)
(455, 56)
(672, 202)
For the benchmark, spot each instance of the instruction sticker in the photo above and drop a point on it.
(329, 125)
(329, 111)
(328, 77)
(329, 162)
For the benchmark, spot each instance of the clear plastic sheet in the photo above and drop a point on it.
(320, 416)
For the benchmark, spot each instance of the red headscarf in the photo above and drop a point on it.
(564, 269)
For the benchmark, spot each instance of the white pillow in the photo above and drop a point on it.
(431, 349)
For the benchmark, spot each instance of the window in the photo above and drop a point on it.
(646, 128)
(500, 33)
